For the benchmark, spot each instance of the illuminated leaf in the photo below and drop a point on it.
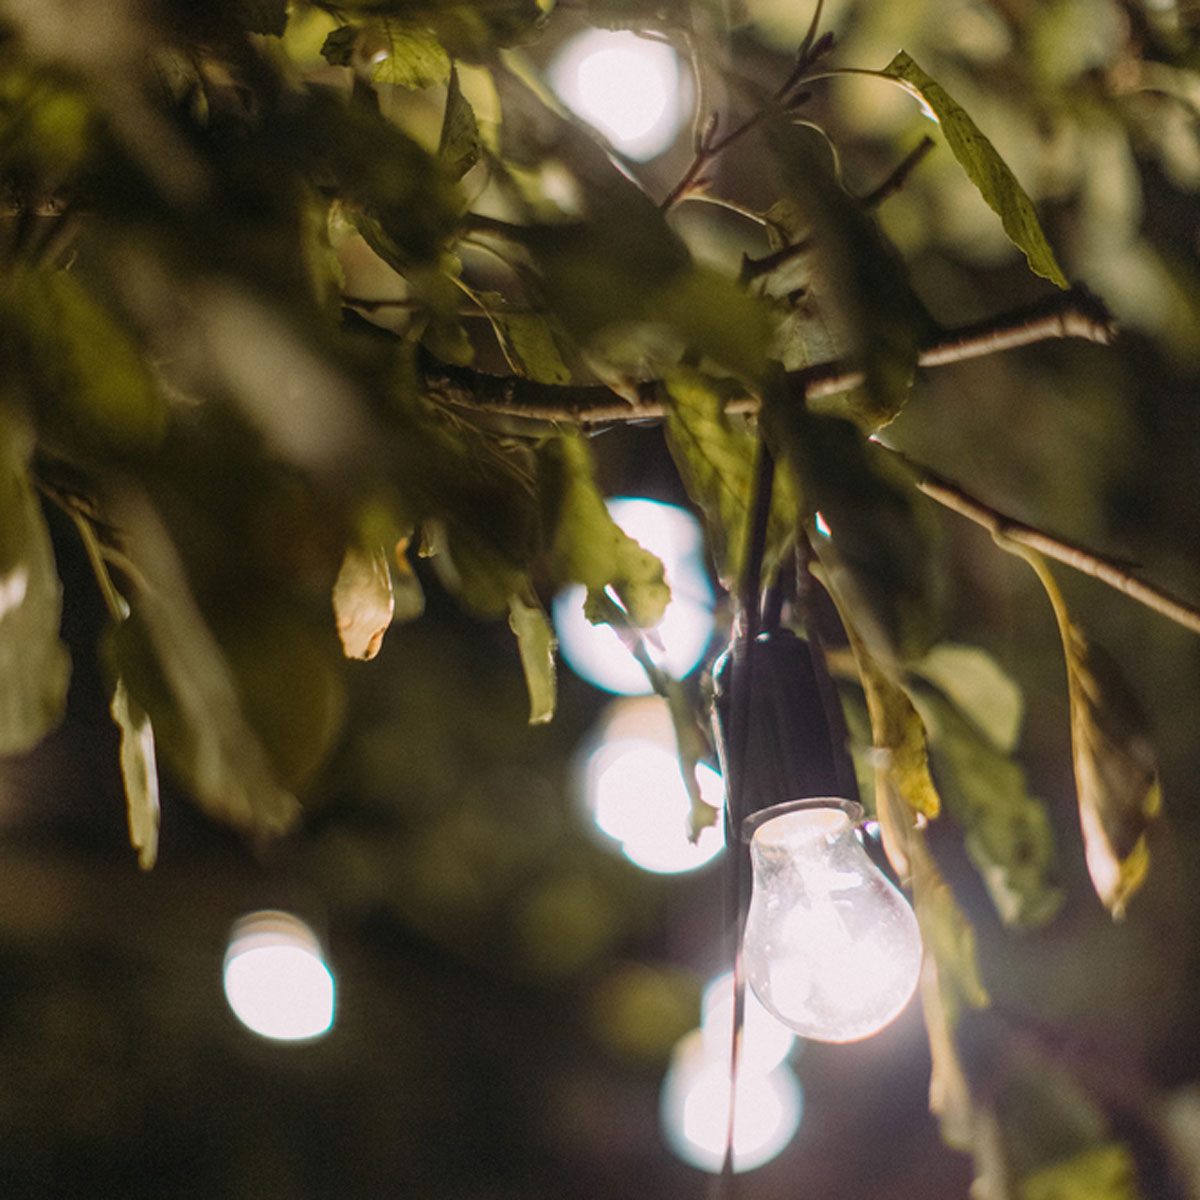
(536, 642)
(987, 170)
(139, 771)
(34, 664)
(589, 547)
(526, 339)
(410, 56)
(1116, 775)
(363, 602)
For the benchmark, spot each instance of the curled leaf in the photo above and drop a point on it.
(139, 771)
(536, 643)
(363, 602)
(1116, 775)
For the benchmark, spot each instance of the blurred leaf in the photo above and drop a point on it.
(987, 170)
(857, 287)
(1008, 834)
(363, 602)
(262, 16)
(411, 57)
(86, 367)
(535, 640)
(34, 664)
(408, 595)
(459, 146)
(878, 556)
(1116, 775)
(971, 678)
(176, 671)
(471, 29)
(139, 771)
(1105, 1172)
(482, 578)
(587, 546)
(950, 984)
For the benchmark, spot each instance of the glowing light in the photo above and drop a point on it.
(694, 1109)
(765, 1041)
(635, 793)
(628, 87)
(822, 526)
(680, 640)
(276, 981)
(831, 947)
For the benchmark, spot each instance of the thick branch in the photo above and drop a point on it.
(1008, 528)
(1074, 314)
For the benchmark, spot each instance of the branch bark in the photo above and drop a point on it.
(1075, 314)
(1003, 527)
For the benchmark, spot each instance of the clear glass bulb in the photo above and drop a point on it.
(831, 946)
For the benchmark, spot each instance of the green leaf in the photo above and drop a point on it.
(1105, 1172)
(587, 546)
(950, 984)
(82, 361)
(178, 674)
(986, 169)
(363, 601)
(535, 640)
(409, 56)
(459, 146)
(971, 678)
(526, 340)
(1007, 831)
(34, 664)
(714, 454)
(139, 771)
(858, 293)
(878, 555)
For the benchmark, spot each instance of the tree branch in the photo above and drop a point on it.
(1074, 314)
(1006, 528)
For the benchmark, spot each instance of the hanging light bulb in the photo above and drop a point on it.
(831, 946)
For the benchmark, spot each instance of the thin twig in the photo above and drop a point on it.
(899, 176)
(1075, 314)
(1004, 528)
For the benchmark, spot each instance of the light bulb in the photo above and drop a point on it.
(276, 980)
(831, 946)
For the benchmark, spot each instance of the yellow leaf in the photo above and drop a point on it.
(363, 602)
